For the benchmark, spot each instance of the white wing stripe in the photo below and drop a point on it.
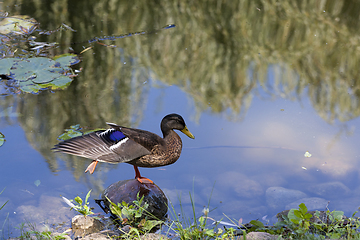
(118, 144)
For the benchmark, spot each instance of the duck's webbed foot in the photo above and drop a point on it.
(140, 178)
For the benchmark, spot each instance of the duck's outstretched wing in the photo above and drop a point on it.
(148, 140)
(105, 146)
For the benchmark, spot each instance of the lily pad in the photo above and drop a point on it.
(66, 60)
(58, 83)
(6, 64)
(37, 69)
(94, 130)
(39, 73)
(74, 131)
(18, 24)
(2, 139)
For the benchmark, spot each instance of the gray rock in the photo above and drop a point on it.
(261, 236)
(313, 203)
(279, 197)
(330, 189)
(153, 236)
(103, 235)
(82, 225)
(96, 236)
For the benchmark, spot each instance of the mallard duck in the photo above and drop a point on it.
(134, 146)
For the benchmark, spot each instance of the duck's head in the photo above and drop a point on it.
(175, 121)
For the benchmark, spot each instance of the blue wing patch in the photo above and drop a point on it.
(116, 135)
(112, 135)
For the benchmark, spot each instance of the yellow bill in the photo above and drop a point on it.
(187, 132)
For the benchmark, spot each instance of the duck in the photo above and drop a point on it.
(137, 147)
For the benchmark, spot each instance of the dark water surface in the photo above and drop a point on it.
(257, 94)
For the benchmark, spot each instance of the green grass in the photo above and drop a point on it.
(7, 216)
(196, 227)
(296, 224)
(29, 231)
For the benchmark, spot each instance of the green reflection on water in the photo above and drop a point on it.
(221, 51)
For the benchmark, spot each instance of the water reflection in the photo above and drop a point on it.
(288, 71)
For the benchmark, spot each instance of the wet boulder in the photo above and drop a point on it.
(127, 191)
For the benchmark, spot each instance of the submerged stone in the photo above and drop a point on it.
(127, 191)
(312, 203)
(279, 197)
(330, 190)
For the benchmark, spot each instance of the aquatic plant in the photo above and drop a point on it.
(79, 205)
(2, 140)
(301, 224)
(134, 214)
(38, 73)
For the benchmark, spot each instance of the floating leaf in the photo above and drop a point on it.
(39, 73)
(37, 183)
(6, 64)
(75, 127)
(69, 134)
(2, 139)
(60, 82)
(19, 24)
(45, 77)
(37, 69)
(66, 60)
(29, 87)
(94, 130)
(74, 131)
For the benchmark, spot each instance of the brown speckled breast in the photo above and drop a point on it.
(162, 155)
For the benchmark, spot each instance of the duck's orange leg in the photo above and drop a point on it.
(140, 178)
(91, 167)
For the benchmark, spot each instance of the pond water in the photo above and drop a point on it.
(260, 96)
